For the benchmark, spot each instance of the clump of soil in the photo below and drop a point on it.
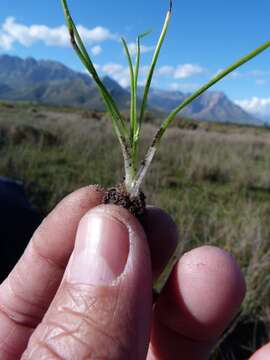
(119, 196)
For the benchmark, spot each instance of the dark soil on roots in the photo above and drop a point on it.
(119, 196)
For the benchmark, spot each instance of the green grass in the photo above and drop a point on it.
(213, 179)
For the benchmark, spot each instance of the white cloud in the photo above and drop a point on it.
(174, 86)
(259, 72)
(183, 86)
(118, 72)
(27, 35)
(96, 50)
(260, 82)
(13, 32)
(181, 71)
(187, 70)
(144, 49)
(255, 105)
(166, 70)
(235, 74)
(5, 41)
(96, 34)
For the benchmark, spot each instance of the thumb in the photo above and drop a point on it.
(102, 309)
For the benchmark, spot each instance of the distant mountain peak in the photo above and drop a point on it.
(111, 84)
(52, 82)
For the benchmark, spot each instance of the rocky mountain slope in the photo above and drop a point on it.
(53, 83)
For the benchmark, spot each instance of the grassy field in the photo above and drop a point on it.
(213, 179)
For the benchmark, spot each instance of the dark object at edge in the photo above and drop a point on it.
(18, 221)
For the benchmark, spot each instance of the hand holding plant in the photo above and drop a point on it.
(83, 289)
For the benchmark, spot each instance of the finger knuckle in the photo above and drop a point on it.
(83, 326)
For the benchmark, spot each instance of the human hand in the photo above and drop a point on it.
(93, 300)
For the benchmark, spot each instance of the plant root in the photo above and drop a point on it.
(120, 196)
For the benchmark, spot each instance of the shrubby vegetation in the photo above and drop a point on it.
(213, 179)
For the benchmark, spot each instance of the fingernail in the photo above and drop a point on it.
(101, 250)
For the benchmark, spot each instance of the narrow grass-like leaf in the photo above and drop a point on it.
(133, 105)
(136, 76)
(133, 118)
(154, 62)
(84, 57)
(137, 126)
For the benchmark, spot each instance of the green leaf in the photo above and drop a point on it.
(154, 62)
(76, 41)
(133, 116)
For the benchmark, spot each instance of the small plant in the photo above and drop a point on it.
(129, 194)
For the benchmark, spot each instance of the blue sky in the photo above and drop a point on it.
(204, 37)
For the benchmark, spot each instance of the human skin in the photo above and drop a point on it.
(83, 289)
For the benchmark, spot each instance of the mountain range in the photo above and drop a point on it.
(51, 82)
